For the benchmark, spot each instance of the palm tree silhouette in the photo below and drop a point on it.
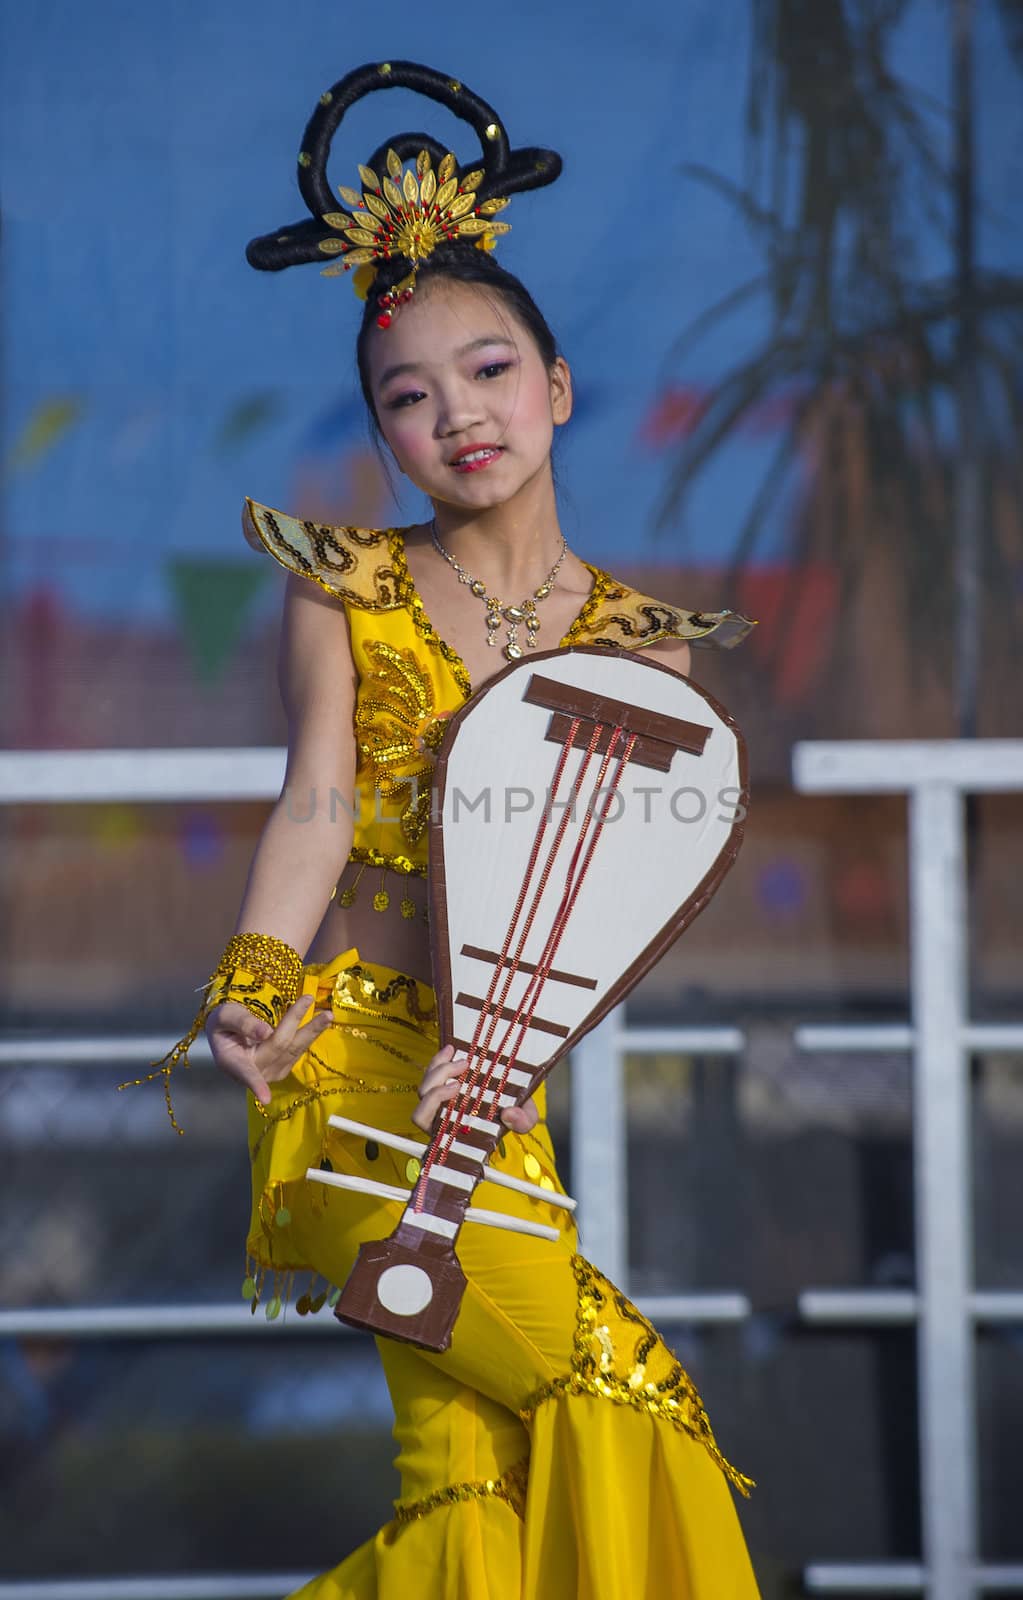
(899, 395)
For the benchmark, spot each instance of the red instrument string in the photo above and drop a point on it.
(575, 877)
(541, 829)
(473, 1085)
(456, 1108)
(496, 1055)
(574, 881)
(491, 1015)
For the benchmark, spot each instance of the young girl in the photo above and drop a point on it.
(556, 1449)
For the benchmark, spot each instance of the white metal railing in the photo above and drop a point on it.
(934, 775)
(69, 777)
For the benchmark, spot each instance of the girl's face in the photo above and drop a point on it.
(463, 398)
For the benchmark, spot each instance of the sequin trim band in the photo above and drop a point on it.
(356, 989)
(379, 858)
(604, 1314)
(509, 1487)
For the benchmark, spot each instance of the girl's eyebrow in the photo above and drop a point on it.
(464, 350)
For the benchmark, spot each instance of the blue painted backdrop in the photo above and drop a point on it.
(151, 378)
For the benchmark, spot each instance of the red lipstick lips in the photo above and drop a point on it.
(474, 456)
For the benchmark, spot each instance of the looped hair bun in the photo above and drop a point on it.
(505, 171)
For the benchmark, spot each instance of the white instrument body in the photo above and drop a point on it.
(657, 863)
(586, 805)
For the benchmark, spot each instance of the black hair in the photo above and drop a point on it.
(498, 173)
(454, 263)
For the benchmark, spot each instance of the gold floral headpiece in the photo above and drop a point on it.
(407, 214)
(401, 215)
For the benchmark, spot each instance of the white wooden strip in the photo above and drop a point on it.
(457, 1180)
(481, 1125)
(500, 1219)
(550, 1197)
(394, 1141)
(520, 1079)
(342, 1180)
(471, 1152)
(428, 1224)
(487, 1097)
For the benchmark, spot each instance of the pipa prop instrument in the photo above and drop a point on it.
(586, 805)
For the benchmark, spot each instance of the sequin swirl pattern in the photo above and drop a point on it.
(398, 730)
(619, 1356)
(356, 989)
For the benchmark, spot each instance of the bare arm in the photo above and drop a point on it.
(308, 835)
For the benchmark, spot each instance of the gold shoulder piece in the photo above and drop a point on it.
(626, 618)
(352, 564)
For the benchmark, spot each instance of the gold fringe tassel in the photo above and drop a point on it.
(258, 971)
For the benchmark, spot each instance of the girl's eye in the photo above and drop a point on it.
(493, 369)
(404, 400)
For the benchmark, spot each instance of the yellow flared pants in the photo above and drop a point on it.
(557, 1450)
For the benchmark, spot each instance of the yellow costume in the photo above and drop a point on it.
(557, 1450)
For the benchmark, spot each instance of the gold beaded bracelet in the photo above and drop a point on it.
(258, 971)
(271, 959)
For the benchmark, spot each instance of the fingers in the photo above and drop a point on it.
(425, 1114)
(256, 1055)
(292, 1037)
(521, 1119)
(253, 1080)
(300, 1026)
(440, 1084)
(236, 1061)
(233, 1033)
(441, 1067)
(236, 1019)
(298, 1022)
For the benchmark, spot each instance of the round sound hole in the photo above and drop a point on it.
(404, 1290)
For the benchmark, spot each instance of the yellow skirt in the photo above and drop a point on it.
(557, 1450)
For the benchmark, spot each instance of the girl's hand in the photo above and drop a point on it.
(442, 1081)
(253, 1053)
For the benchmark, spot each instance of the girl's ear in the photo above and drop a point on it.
(561, 391)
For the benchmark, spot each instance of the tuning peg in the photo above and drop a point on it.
(500, 1219)
(424, 1219)
(342, 1180)
(550, 1197)
(458, 1180)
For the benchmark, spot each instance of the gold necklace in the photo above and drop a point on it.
(497, 611)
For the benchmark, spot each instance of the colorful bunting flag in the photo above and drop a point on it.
(213, 599)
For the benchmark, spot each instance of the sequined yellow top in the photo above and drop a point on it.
(410, 680)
